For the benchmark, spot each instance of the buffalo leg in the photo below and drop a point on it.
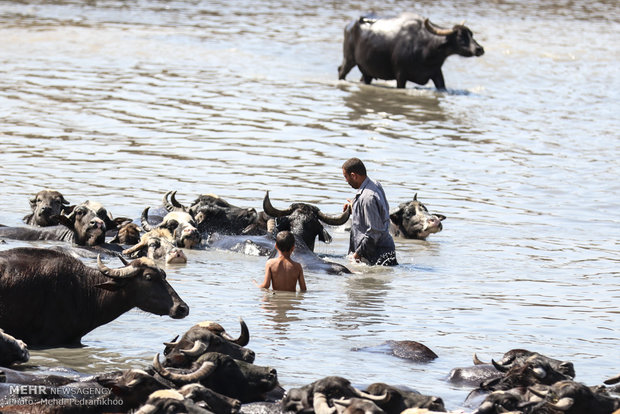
(438, 81)
(345, 68)
(366, 78)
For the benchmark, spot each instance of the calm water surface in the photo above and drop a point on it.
(122, 101)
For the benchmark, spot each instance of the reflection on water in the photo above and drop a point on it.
(121, 102)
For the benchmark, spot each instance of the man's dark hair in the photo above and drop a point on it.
(354, 165)
(285, 241)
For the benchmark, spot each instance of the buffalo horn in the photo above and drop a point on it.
(122, 259)
(540, 394)
(272, 211)
(174, 342)
(372, 397)
(144, 220)
(612, 380)
(204, 371)
(564, 404)
(499, 367)
(320, 404)
(198, 349)
(244, 337)
(173, 204)
(436, 30)
(124, 273)
(477, 361)
(415, 197)
(335, 220)
(135, 247)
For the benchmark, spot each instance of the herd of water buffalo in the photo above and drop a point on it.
(49, 297)
(207, 370)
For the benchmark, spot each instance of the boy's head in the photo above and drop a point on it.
(285, 241)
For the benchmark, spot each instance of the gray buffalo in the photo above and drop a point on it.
(413, 221)
(46, 206)
(406, 48)
(49, 298)
(157, 244)
(181, 225)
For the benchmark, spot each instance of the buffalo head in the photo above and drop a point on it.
(46, 206)
(146, 283)
(413, 221)
(207, 337)
(180, 224)
(460, 38)
(304, 220)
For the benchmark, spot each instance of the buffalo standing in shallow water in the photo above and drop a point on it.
(405, 48)
(49, 298)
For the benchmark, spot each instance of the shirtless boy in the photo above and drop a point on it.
(281, 271)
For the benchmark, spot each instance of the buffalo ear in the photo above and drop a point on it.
(112, 286)
(441, 217)
(65, 221)
(33, 202)
(397, 215)
(325, 237)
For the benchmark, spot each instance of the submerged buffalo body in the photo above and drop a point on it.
(49, 298)
(405, 48)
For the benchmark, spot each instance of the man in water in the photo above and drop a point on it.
(370, 240)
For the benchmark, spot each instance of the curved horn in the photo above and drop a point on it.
(135, 248)
(204, 371)
(499, 367)
(415, 197)
(564, 404)
(612, 380)
(173, 204)
(477, 361)
(436, 30)
(122, 259)
(343, 402)
(198, 349)
(144, 220)
(272, 211)
(320, 404)
(174, 342)
(537, 393)
(124, 273)
(376, 398)
(244, 336)
(335, 220)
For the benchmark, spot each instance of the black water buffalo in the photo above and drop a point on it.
(534, 369)
(213, 214)
(49, 298)
(46, 206)
(320, 395)
(304, 221)
(157, 244)
(413, 221)
(405, 48)
(399, 400)
(570, 397)
(207, 337)
(221, 373)
(86, 225)
(12, 350)
(181, 225)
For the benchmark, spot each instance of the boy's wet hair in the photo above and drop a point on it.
(285, 241)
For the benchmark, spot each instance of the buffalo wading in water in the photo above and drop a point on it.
(405, 48)
(413, 221)
(49, 298)
(46, 206)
